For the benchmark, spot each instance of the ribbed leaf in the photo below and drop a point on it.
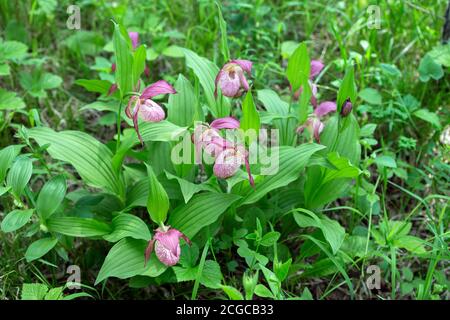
(183, 107)
(250, 116)
(298, 67)
(203, 210)
(20, 174)
(158, 201)
(206, 72)
(126, 259)
(51, 196)
(160, 131)
(16, 219)
(126, 225)
(39, 248)
(78, 227)
(91, 158)
(7, 156)
(124, 59)
(291, 163)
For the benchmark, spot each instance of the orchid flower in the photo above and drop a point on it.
(346, 108)
(228, 156)
(314, 124)
(144, 106)
(231, 78)
(166, 243)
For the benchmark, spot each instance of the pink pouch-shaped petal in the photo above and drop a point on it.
(157, 88)
(316, 68)
(325, 108)
(167, 246)
(150, 111)
(225, 123)
(317, 127)
(134, 36)
(230, 84)
(227, 163)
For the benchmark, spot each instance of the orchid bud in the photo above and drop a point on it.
(134, 37)
(231, 78)
(346, 109)
(166, 243)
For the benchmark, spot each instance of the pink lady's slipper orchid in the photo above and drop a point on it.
(145, 107)
(231, 78)
(166, 243)
(230, 160)
(314, 124)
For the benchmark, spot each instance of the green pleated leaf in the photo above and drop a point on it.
(126, 225)
(203, 210)
(250, 116)
(188, 188)
(7, 156)
(94, 85)
(183, 107)
(160, 131)
(124, 59)
(20, 174)
(138, 63)
(126, 259)
(299, 67)
(33, 291)
(91, 158)
(16, 219)
(39, 248)
(206, 72)
(158, 201)
(291, 163)
(51, 196)
(333, 232)
(78, 227)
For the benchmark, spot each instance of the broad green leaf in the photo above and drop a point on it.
(291, 162)
(16, 219)
(411, 243)
(429, 69)
(158, 201)
(347, 89)
(127, 225)
(203, 210)
(331, 229)
(124, 60)
(126, 259)
(429, 117)
(138, 63)
(371, 96)
(39, 248)
(344, 168)
(54, 294)
(33, 291)
(160, 131)
(273, 104)
(386, 161)
(91, 158)
(223, 35)
(188, 188)
(263, 292)
(78, 227)
(211, 275)
(100, 86)
(10, 101)
(305, 99)
(7, 156)
(183, 107)
(206, 72)
(299, 67)
(250, 116)
(51, 196)
(19, 174)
